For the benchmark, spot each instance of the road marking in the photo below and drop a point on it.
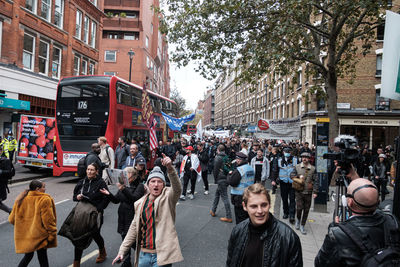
(59, 202)
(272, 205)
(88, 256)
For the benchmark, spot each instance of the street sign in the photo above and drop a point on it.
(15, 104)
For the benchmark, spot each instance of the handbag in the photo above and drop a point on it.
(298, 184)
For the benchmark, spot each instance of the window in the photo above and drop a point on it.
(111, 73)
(131, 15)
(283, 111)
(77, 65)
(111, 56)
(124, 93)
(292, 111)
(78, 26)
(129, 36)
(28, 51)
(59, 13)
(380, 32)
(299, 79)
(56, 66)
(1, 33)
(299, 107)
(86, 30)
(147, 61)
(378, 65)
(93, 34)
(43, 57)
(151, 28)
(46, 9)
(31, 5)
(283, 89)
(91, 68)
(274, 113)
(84, 67)
(147, 42)
(94, 2)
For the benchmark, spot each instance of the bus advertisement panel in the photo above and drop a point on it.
(35, 141)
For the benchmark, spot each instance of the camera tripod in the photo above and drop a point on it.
(341, 210)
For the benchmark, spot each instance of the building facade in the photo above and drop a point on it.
(362, 111)
(209, 108)
(133, 25)
(40, 42)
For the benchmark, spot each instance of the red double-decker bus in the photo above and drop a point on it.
(88, 107)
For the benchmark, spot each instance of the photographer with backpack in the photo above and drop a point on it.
(368, 238)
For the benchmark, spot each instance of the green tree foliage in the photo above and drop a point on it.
(255, 37)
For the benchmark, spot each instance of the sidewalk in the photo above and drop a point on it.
(316, 227)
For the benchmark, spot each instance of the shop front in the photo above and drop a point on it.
(374, 130)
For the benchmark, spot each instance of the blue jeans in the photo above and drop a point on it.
(149, 260)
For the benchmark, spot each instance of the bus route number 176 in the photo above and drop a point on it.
(82, 105)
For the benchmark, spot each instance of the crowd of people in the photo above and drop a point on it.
(244, 167)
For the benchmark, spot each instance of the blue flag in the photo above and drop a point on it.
(175, 124)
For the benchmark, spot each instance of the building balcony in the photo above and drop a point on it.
(122, 24)
(122, 3)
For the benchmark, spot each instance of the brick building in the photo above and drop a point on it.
(362, 112)
(209, 107)
(132, 25)
(40, 42)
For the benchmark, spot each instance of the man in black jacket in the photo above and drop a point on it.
(93, 157)
(338, 248)
(262, 240)
(222, 190)
(203, 157)
(7, 171)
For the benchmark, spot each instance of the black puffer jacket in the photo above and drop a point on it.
(91, 191)
(282, 245)
(127, 198)
(339, 250)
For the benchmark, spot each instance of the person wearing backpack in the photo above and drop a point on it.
(106, 156)
(7, 171)
(369, 237)
(222, 190)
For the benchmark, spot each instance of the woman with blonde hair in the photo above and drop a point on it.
(127, 195)
(35, 223)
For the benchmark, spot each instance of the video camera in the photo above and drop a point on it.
(348, 153)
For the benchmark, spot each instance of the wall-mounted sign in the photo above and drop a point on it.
(14, 104)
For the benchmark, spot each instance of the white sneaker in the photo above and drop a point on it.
(206, 192)
(297, 225)
(188, 191)
(182, 197)
(191, 197)
(302, 230)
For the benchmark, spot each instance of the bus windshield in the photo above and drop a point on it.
(82, 113)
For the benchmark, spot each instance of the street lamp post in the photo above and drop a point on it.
(131, 54)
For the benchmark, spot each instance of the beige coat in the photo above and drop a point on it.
(35, 224)
(310, 177)
(167, 243)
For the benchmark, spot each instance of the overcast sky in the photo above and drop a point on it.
(190, 84)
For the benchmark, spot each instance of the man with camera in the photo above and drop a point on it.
(369, 236)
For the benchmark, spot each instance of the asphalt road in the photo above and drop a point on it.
(203, 239)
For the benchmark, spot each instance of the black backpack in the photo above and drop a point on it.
(387, 256)
(81, 167)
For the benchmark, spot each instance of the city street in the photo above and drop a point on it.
(203, 239)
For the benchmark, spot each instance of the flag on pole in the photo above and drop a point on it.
(147, 111)
(153, 136)
(199, 128)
